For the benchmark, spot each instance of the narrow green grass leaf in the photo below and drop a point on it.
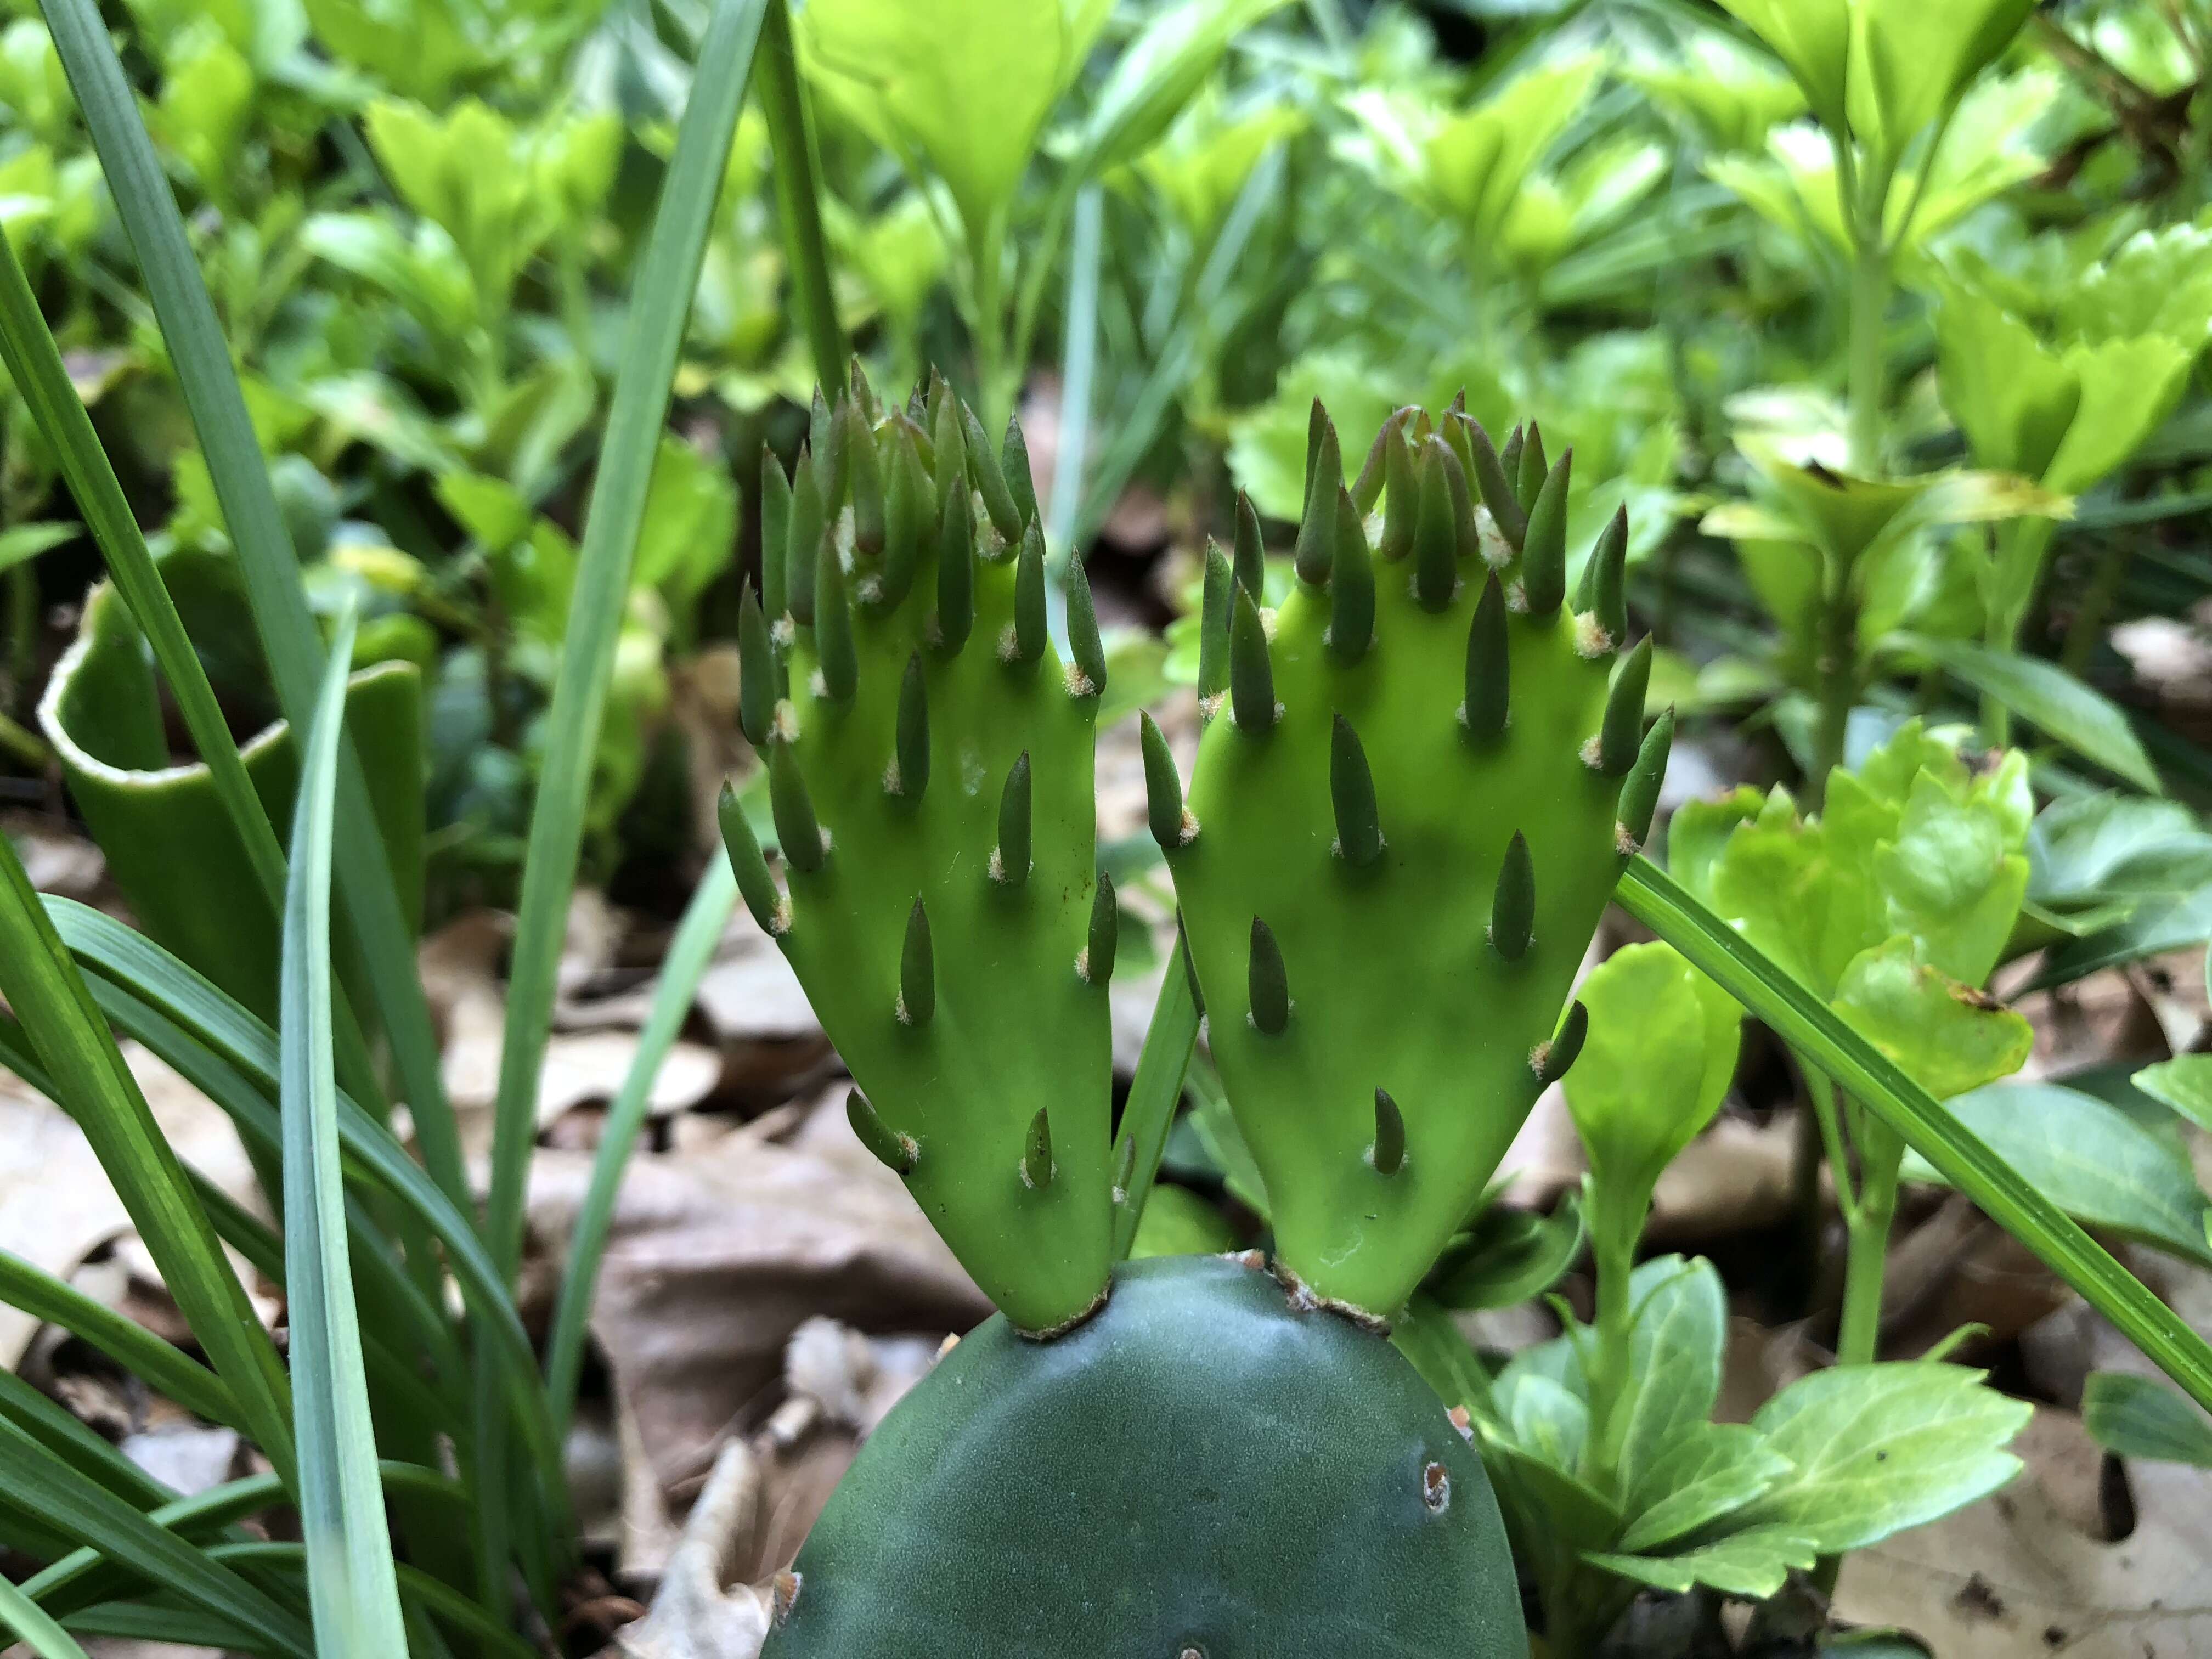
(69, 1583)
(90, 1081)
(1961, 1156)
(351, 1588)
(681, 970)
(166, 1370)
(90, 1453)
(266, 559)
(21, 1617)
(658, 305)
(96, 1518)
(155, 998)
(1154, 1094)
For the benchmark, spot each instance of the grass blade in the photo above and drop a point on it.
(210, 1512)
(658, 305)
(681, 971)
(164, 1369)
(90, 1453)
(798, 173)
(95, 1517)
(35, 363)
(266, 559)
(1154, 1094)
(162, 1002)
(22, 1616)
(1802, 1021)
(352, 1589)
(90, 1080)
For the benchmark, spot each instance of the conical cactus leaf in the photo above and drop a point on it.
(1426, 837)
(929, 740)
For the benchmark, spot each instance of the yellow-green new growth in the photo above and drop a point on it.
(1407, 814)
(930, 772)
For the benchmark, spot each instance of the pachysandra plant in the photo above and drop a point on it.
(968, 121)
(1895, 904)
(1481, 172)
(1423, 775)
(2065, 397)
(1611, 1472)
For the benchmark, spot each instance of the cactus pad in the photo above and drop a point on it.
(1417, 789)
(1203, 1469)
(930, 766)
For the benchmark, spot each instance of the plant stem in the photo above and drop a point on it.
(1867, 367)
(1616, 1222)
(2087, 625)
(1881, 1154)
(1867, 370)
(2016, 572)
(1838, 665)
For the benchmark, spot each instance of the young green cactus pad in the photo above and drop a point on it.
(1205, 1468)
(1418, 784)
(929, 758)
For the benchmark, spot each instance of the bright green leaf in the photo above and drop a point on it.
(1709, 1471)
(1660, 1055)
(1950, 1037)
(2092, 1159)
(1156, 73)
(1751, 1565)
(1878, 1449)
(963, 85)
(2134, 1416)
(2184, 1083)
(1676, 1345)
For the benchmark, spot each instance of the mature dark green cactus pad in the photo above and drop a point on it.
(1420, 782)
(1201, 1468)
(930, 763)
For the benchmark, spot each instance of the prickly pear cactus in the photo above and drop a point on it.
(1203, 1468)
(930, 768)
(1420, 782)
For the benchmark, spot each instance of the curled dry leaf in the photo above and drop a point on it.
(716, 1257)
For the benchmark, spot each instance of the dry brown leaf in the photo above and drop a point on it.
(694, 1616)
(460, 969)
(718, 1256)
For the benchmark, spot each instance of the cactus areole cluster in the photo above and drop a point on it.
(1420, 779)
